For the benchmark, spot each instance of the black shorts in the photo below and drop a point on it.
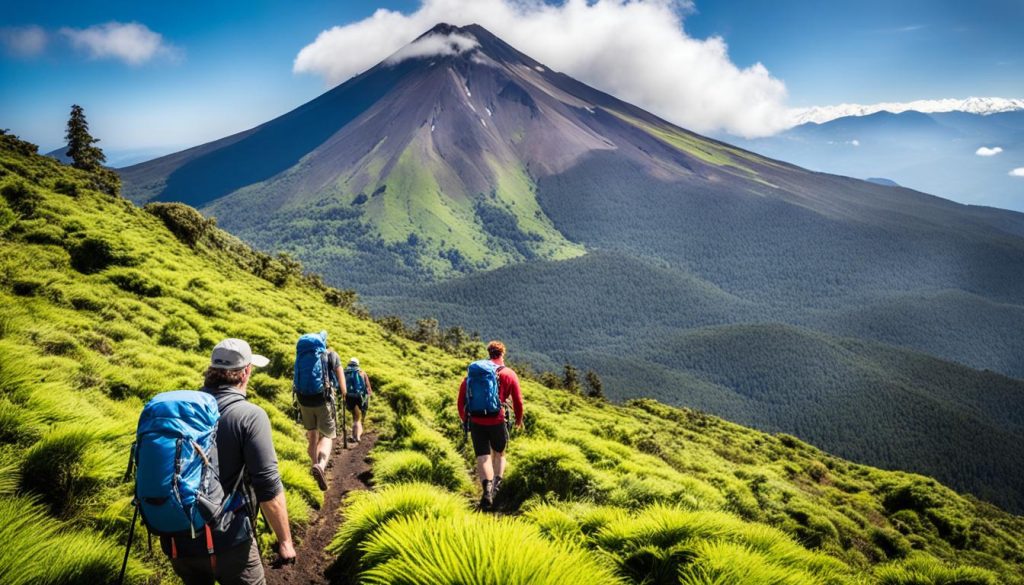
(488, 437)
(352, 401)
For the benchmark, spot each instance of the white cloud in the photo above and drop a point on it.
(1017, 172)
(24, 41)
(855, 142)
(130, 42)
(434, 44)
(986, 151)
(636, 50)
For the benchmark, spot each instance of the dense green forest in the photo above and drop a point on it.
(682, 341)
(103, 304)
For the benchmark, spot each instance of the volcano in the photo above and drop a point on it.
(462, 179)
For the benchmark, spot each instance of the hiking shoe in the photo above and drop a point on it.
(486, 501)
(353, 439)
(318, 475)
(495, 487)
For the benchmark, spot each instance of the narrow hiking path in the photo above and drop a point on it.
(347, 471)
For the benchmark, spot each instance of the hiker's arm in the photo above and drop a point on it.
(462, 400)
(275, 511)
(366, 380)
(517, 398)
(261, 462)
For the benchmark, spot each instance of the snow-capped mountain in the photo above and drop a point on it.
(972, 105)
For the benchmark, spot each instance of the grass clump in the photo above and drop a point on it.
(67, 467)
(466, 549)
(367, 512)
(38, 550)
(402, 467)
(923, 570)
(550, 469)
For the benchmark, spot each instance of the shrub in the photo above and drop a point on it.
(93, 254)
(46, 234)
(723, 562)
(187, 224)
(454, 550)
(22, 198)
(65, 187)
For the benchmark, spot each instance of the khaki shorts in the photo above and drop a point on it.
(320, 418)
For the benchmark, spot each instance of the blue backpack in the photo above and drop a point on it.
(177, 483)
(354, 382)
(312, 372)
(482, 397)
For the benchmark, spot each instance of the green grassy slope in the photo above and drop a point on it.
(102, 306)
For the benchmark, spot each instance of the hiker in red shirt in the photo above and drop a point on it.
(482, 396)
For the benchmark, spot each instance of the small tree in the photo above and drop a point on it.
(596, 388)
(571, 379)
(80, 143)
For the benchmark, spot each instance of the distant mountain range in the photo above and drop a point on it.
(972, 105)
(465, 180)
(965, 156)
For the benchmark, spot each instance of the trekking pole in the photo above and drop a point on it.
(128, 547)
(344, 423)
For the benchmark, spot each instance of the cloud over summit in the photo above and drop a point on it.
(636, 50)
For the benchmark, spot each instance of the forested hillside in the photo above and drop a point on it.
(103, 304)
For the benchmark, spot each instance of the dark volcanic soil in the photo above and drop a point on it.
(347, 471)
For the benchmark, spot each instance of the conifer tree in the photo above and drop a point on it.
(571, 379)
(80, 143)
(596, 387)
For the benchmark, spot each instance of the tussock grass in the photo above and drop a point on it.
(367, 512)
(67, 467)
(467, 549)
(37, 550)
(402, 467)
(922, 570)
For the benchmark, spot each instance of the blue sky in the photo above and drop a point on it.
(223, 67)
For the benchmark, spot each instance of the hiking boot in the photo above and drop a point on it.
(353, 439)
(495, 487)
(487, 499)
(318, 475)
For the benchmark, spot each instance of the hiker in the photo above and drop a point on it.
(357, 396)
(317, 374)
(482, 395)
(227, 553)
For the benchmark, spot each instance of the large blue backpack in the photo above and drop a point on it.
(482, 397)
(177, 483)
(311, 376)
(354, 382)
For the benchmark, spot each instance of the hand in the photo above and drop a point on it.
(286, 551)
(519, 424)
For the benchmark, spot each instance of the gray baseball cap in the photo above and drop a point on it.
(235, 354)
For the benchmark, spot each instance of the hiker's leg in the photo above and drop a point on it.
(327, 426)
(357, 422)
(499, 463)
(484, 468)
(241, 565)
(323, 451)
(194, 570)
(312, 438)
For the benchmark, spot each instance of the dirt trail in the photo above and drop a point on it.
(348, 471)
